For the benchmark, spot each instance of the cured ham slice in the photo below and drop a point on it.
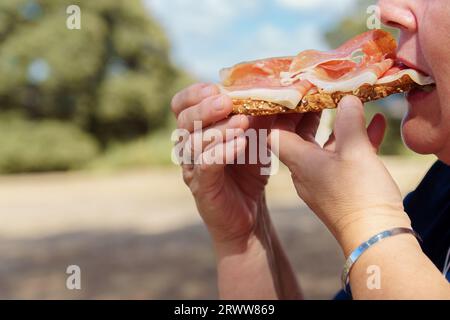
(361, 60)
(371, 46)
(364, 66)
(349, 81)
(260, 72)
(261, 80)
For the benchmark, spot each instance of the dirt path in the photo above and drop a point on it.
(137, 235)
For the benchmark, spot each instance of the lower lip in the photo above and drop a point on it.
(417, 95)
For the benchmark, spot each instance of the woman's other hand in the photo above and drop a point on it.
(345, 183)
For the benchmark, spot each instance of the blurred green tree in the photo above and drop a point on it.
(112, 78)
(353, 24)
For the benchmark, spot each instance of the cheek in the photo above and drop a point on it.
(424, 131)
(426, 127)
(434, 26)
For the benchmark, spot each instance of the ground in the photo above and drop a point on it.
(136, 234)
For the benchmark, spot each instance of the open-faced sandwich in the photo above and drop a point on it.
(364, 66)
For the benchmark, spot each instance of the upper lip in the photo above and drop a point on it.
(411, 65)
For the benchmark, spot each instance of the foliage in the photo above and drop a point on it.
(112, 78)
(30, 146)
(76, 93)
(152, 150)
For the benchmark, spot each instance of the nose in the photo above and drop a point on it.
(398, 14)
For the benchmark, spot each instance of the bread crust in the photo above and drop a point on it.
(319, 101)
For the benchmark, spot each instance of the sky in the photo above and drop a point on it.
(207, 35)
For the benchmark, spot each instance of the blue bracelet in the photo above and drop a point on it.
(366, 245)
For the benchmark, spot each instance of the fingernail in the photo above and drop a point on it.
(218, 103)
(207, 91)
(347, 102)
(239, 120)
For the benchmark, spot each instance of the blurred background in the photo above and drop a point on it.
(85, 172)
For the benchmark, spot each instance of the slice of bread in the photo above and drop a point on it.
(318, 101)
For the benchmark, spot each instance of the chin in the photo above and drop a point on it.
(421, 126)
(421, 136)
(414, 136)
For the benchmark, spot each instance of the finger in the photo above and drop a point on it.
(290, 148)
(349, 127)
(192, 95)
(213, 161)
(297, 117)
(209, 111)
(287, 122)
(263, 122)
(307, 127)
(376, 131)
(331, 142)
(224, 130)
(188, 173)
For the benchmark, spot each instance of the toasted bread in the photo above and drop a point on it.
(319, 101)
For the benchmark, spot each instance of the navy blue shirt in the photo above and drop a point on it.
(429, 210)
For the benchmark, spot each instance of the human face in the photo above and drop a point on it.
(424, 45)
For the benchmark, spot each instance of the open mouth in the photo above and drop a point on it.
(403, 64)
(409, 65)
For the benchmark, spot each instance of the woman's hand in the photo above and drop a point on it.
(348, 187)
(344, 183)
(227, 196)
(230, 198)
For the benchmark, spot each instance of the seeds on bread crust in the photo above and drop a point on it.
(321, 100)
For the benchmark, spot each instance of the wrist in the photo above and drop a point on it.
(257, 236)
(351, 234)
(255, 266)
(235, 246)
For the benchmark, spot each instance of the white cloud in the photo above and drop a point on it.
(273, 41)
(315, 5)
(267, 41)
(201, 17)
(299, 4)
(194, 27)
(202, 42)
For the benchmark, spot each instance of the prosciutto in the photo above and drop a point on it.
(259, 72)
(366, 59)
(260, 80)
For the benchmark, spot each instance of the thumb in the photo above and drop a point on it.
(289, 147)
(350, 126)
